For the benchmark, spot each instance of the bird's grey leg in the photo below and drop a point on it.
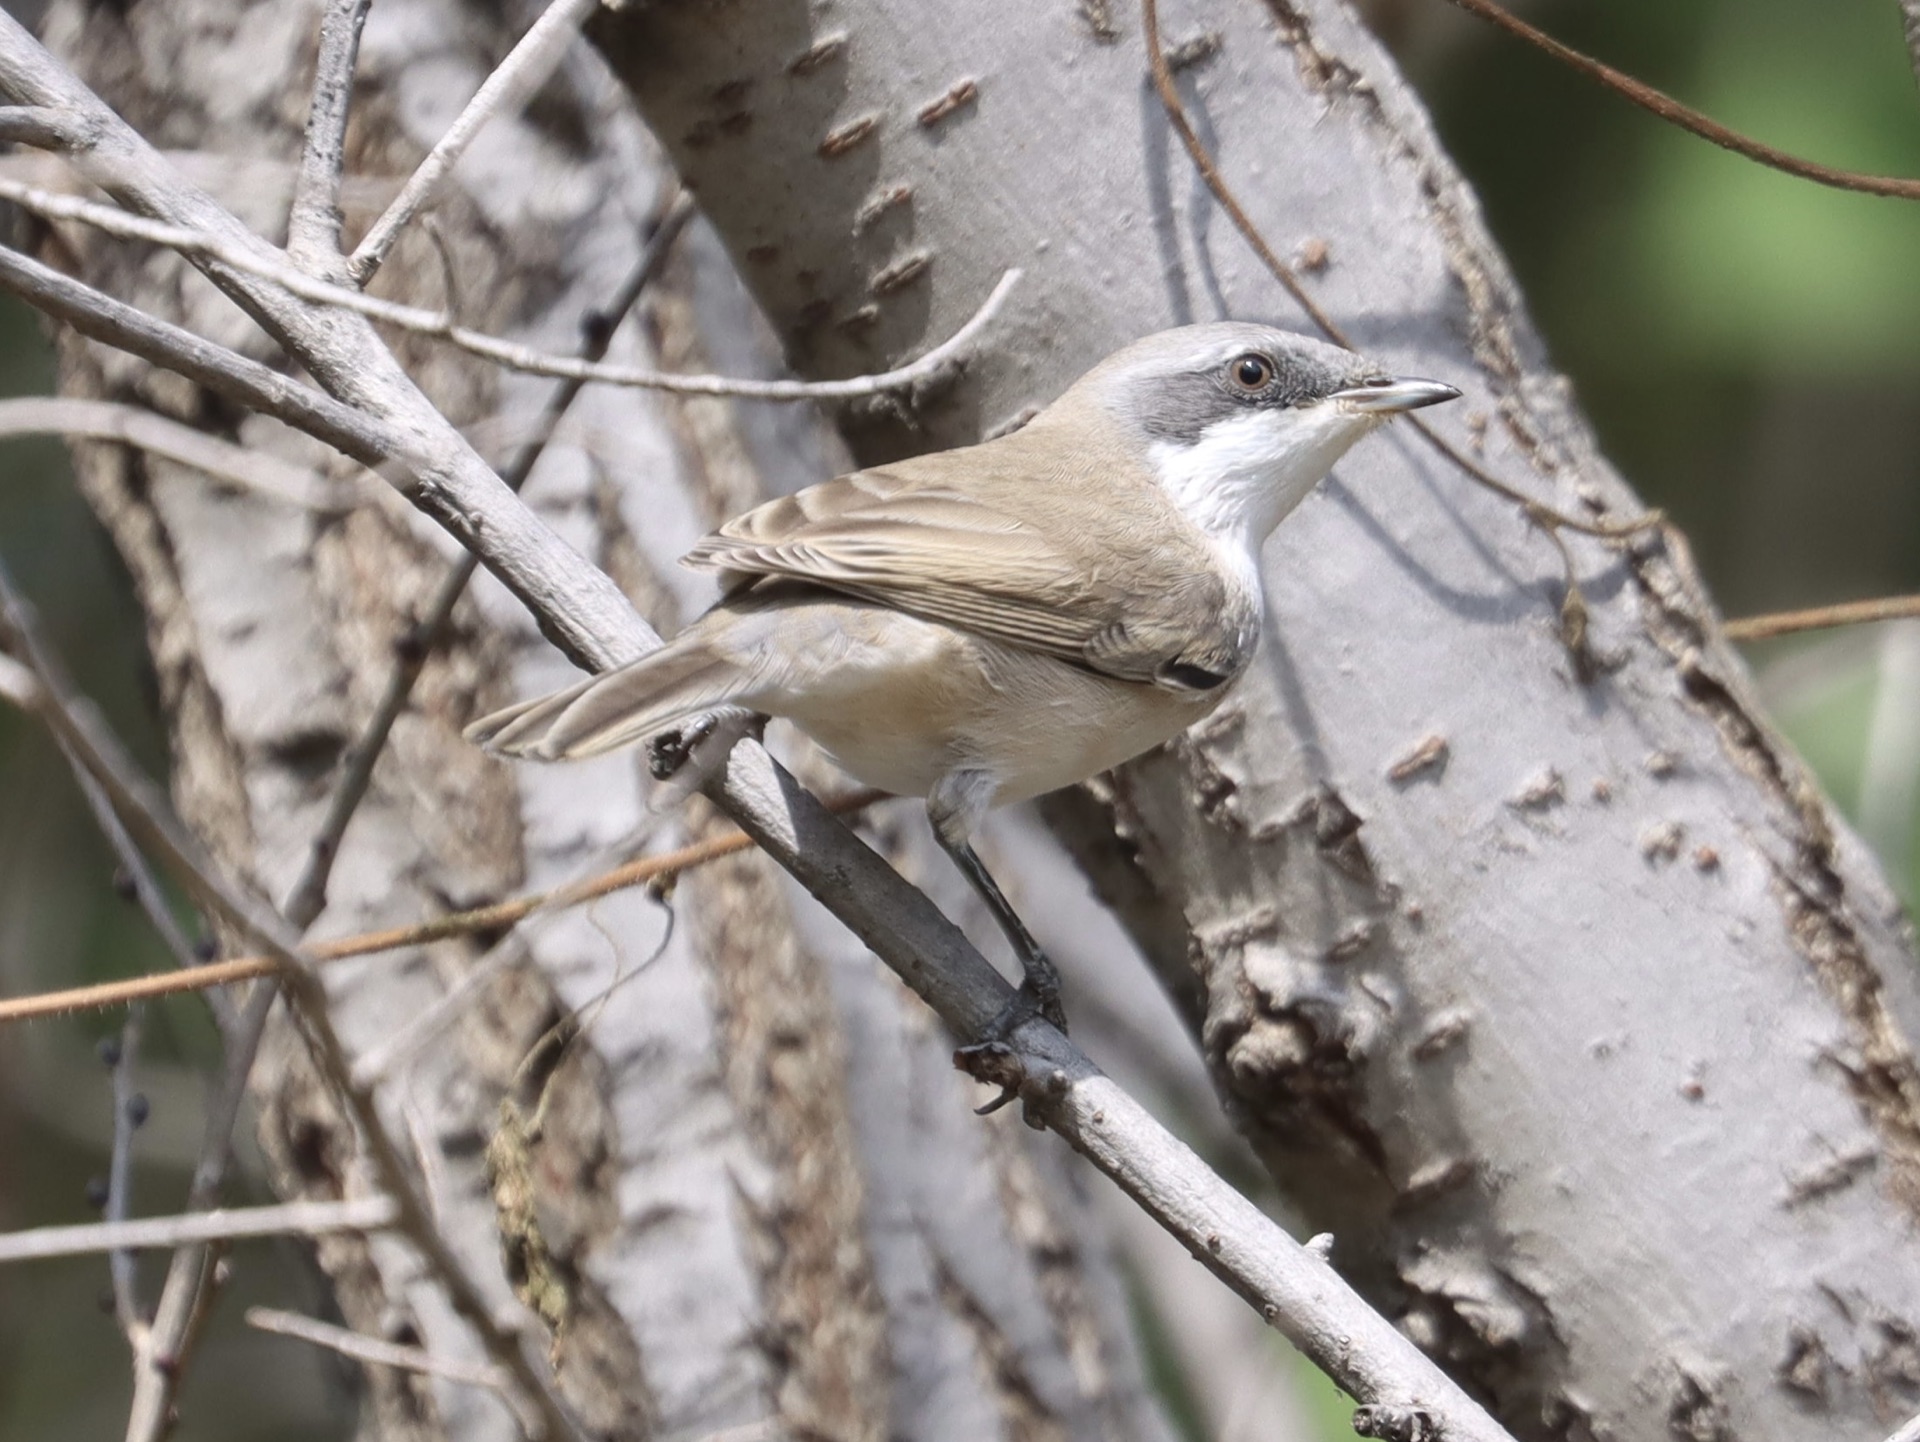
(955, 807)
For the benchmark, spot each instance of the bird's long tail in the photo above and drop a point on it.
(604, 712)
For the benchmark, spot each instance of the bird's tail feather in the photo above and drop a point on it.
(604, 712)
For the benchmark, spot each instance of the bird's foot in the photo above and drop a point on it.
(994, 1059)
(671, 750)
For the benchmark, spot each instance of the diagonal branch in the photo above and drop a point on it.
(371, 1349)
(80, 731)
(132, 425)
(1659, 103)
(309, 894)
(43, 127)
(513, 81)
(582, 610)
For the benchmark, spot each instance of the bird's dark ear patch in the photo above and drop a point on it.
(1185, 676)
(1180, 407)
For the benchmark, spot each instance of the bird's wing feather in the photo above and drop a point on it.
(934, 550)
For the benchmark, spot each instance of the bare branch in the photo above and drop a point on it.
(1910, 23)
(128, 1114)
(313, 223)
(132, 425)
(226, 373)
(372, 1349)
(1820, 618)
(145, 888)
(441, 324)
(312, 1219)
(586, 614)
(1674, 113)
(42, 126)
(641, 872)
(79, 729)
(525, 358)
(524, 71)
(309, 893)
(184, 1293)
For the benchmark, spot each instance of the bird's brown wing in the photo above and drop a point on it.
(959, 554)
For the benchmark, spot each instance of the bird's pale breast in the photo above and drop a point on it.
(899, 702)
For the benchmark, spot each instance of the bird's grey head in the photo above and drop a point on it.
(1240, 421)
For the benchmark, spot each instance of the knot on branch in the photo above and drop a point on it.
(1396, 1423)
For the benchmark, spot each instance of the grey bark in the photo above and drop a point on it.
(739, 1235)
(1588, 1038)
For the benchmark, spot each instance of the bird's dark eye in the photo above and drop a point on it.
(1250, 372)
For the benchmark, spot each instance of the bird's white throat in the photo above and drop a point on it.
(1244, 474)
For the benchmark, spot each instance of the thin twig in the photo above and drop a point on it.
(133, 425)
(122, 1271)
(441, 324)
(458, 923)
(227, 373)
(79, 728)
(141, 1337)
(145, 887)
(371, 1349)
(1688, 119)
(186, 1293)
(1820, 618)
(511, 84)
(308, 897)
(363, 1348)
(311, 1219)
(313, 222)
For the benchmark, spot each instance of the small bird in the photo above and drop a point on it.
(982, 625)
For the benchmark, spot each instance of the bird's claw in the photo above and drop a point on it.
(996, 1064)
(993, 1059)
(670, 750)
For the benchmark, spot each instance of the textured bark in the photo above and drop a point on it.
(716, 1225)
(1561, 998)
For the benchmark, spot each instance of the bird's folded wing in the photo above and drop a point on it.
(936, 552)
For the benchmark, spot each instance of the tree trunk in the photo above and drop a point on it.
(1548, 983)
(757, 1192)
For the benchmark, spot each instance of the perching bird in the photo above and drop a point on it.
(982, 625)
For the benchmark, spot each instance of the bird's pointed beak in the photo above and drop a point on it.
(1389, 398)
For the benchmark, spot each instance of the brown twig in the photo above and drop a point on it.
(1674, 113)
(458, 923)
(78, 728)
(1820, 618)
